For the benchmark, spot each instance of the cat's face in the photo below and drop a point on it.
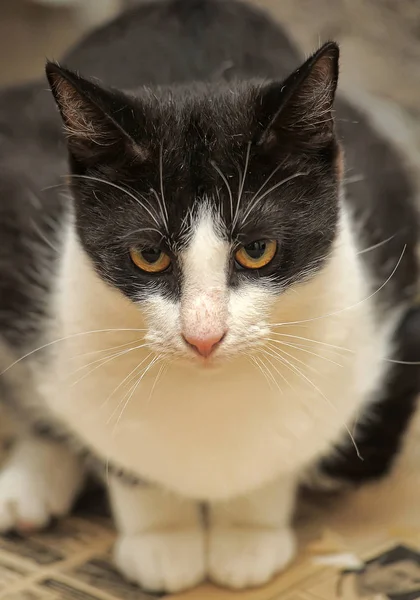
(204, 205)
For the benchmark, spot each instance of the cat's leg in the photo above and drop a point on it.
(250, 538)
(162, 543)
(39, 480)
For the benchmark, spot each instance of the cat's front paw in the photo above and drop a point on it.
(38, 482)
(248, 557)
(163, 561)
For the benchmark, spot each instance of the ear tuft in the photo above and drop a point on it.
(88, 112)
(317, 90)
(302, 105)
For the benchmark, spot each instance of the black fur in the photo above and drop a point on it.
(33, 154)
(194, 137)
(380, 433)
(217, 42)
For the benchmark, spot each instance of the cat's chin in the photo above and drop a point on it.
(210, 364)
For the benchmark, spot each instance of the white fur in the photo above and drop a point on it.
(250, 538)
(212, 432)
(40, 480)
(208, 307)
(204, 304)
(243, 557)
(167, 432)
(162, 542)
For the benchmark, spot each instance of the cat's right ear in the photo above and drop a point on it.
(96, 120)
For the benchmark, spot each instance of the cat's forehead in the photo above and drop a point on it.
(201, 152)
(203, 144)
(202, 119)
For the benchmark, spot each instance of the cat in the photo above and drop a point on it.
(223, 294)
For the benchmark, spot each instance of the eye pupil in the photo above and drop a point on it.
(256, 255)
(256, 249)
(151, 255)
(150, 260)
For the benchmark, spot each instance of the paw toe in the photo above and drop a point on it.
(241, 558)
(162, 561)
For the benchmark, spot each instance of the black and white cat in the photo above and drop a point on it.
(218, 308)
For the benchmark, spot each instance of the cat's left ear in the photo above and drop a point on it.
(96, 120)
(301, 108)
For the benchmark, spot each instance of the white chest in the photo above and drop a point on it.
(205, 433)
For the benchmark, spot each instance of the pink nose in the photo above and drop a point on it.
(204, 345)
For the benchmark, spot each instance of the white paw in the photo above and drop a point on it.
(37, 483)
(246, 557)
(164, 561)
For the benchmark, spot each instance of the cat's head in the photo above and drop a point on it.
(204, 204)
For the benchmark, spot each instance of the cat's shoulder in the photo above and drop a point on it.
(382, 192)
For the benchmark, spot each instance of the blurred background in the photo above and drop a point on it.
(380, 39)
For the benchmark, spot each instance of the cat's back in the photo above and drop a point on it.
(381, 194)
(162, 42)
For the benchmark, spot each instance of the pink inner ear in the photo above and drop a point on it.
(302, 105)
(81, 117)
(90, 131)
(317, 90)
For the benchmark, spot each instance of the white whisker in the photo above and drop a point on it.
(284, 352)
(279, 372)
(306, 339)
(161, 370)
(378, 245)
(260, 189)
(162, 193)
(136, 385)
(156, 195)
(141, 230)
(44, 237)
(83, 354)
(302, 349)
(409, 363)
(121, 189)
(297, 371)
(125, 380)
(300, 345)
(268, 376)
(92, 352)
(63, 339)
(225, 181)
(132, 375)
(257, 199)
(337, 312)
(105, 361)
(241, 186)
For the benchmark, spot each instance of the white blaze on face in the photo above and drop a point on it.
(205, 294)
(210, 315)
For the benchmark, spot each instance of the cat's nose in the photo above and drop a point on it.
(204, 345)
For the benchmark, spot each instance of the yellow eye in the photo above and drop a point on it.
(151, 260)
(256, 254)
